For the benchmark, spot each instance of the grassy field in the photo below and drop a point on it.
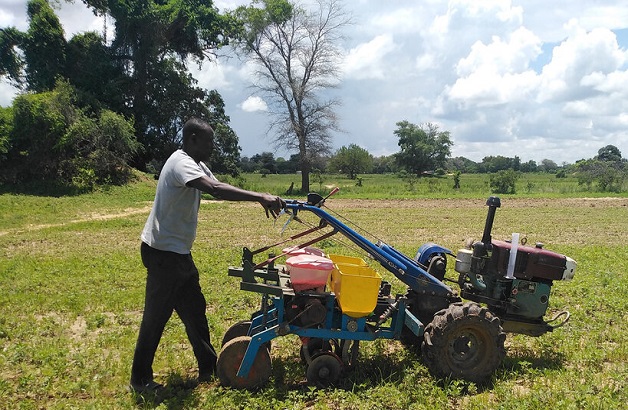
(72, 289)
(377, 186)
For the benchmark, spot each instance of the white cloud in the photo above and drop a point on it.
(581, 54)
(212, 75)
(461, 12)
(401, 20)
(577, 100)
(7, 93)
(548, 20)
(615, 83)
(6, 18)
(506, 77)
(425, 61)
(253, 104)
(499, 72)
(501, 56)
(367, 59)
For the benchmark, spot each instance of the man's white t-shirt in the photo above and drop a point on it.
(171, 225)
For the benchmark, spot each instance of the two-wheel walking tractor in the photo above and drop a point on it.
(332, 302)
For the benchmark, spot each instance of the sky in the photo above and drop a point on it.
(535, 79)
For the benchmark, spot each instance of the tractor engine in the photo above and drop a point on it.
(515, 287)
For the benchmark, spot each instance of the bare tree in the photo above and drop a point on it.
(297, 57)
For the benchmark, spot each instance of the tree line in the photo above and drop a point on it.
(425, 151)
(90, 109)
(141, 77)
(88, 101)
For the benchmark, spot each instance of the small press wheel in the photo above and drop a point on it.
(230, 359)
(324, 370)
(238, 329)
(316, 346)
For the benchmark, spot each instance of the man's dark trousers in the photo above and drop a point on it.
(172, 284)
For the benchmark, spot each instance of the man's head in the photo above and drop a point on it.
(198, 139)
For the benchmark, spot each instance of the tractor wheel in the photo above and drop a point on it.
(230, 359)
(238, 329)
(464, 341)
(324, 370)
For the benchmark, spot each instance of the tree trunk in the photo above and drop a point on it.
(305, 166)
(305, 180)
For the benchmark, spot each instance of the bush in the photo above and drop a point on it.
(48, 138)
(503, 182)
(609, 176)
(6, 120)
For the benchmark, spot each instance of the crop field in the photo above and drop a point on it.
(72, 289)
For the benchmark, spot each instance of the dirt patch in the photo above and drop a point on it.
(93, 217)
(78, 328)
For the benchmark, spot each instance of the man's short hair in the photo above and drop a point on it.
(195, 126)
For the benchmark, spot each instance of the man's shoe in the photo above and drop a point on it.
(149, 387)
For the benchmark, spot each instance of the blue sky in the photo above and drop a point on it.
(505, 77)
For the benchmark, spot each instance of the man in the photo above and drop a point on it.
(172, 282)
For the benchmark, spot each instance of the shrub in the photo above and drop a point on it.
(47, 137)
(6, 121)
(609, 176)
(503, 182)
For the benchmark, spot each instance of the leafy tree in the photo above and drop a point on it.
(39, 122)
(11, 62)
(97, 150)
(43, 48)
(609, 176)
(516, 163)
(547, 165)
(289, 166)
(142, 75)
(608, 170)
(504, 181)
(351, 160)
(6, 121)
(93, 70)
(296, 59)
(529, 166)
(152, 41)
(491, 164)
(462, 164)
(423, 147)
(384, 164)
(266, 160)
(51, 139)
(609, 153)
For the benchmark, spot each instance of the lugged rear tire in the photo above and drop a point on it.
(464, 341)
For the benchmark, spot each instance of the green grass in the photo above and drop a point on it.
(72, 289)
(378, 186)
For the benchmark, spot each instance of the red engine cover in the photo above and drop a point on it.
(532, 262)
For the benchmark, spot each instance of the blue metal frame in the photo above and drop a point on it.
(336, 327)
(270, 322)
(404, 268)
